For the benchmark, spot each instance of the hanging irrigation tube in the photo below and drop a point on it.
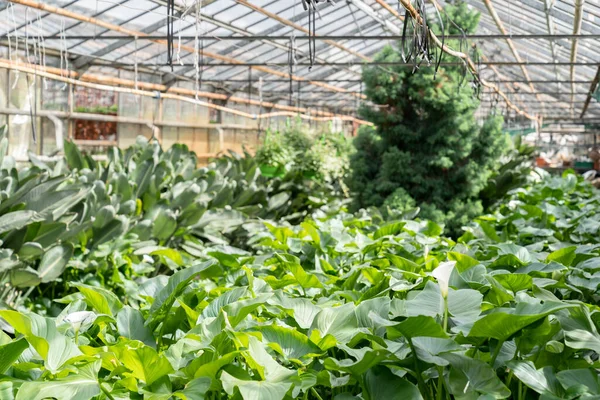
(469, 63)
(141, 35)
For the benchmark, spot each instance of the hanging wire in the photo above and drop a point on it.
(42, 46)
(292, 62)
(198, 48)
(27, 56)
(179, 22)
(12, 10)
(63, 51)
(311, 7)
(260, 107)
(8, 32)
(170, 31)
(135, 65)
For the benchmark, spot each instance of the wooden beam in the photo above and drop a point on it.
(299, 28)
(116, 28)
(109, 84)
(511, 46)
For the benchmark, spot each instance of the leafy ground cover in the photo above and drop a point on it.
(265, 298)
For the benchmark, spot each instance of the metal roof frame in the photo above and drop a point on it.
(557, 42)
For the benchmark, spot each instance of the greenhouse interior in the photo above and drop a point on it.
(299, 199)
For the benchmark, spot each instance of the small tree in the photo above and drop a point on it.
(427, 148)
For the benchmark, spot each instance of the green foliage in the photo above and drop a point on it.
(297, 151)
(427, 140)
(513, 173)
(335, 308)
(229, 305)
(144, 204)
(113, 109)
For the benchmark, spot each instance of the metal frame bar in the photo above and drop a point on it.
(550, 37)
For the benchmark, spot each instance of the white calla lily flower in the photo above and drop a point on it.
(442, 275)
(80, 318)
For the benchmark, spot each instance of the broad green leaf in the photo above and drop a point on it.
(417, 326)
(381, 383)
(339, 322)
(10, 352)
(230, 296)
(302, 310)
(81, 385)
(258, 358)
(196, 389)
(580, 381)
(463, 261)
(288, 342)
(24, 277)
(390, 229)
(543, 381)
(30, 250)
(42, 334)
(503, 324)
(564, 256)
(277, 201)
(112, 230)
(211, 368)
(305, 279)
(378, 305)
(164, 225)
(489, 230)
(238, 310)
(468, 375)
(100, 299)
(54, 262)
(130, 324)
(104, 216)
(514, 282)
(464, 303)
(427, 302)
(428, 349)
(175, 286)
(254, 390)
(75, 159)
(144, 363)
(362, 360)
(6, 390)
(16, 220)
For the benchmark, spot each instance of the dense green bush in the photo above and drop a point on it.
(321, 157)
(427, 140)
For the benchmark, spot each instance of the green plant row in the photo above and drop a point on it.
(78, 219)
(313, 303)
(339, 308)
